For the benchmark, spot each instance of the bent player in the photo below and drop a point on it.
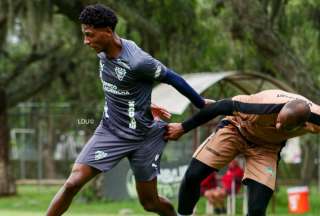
(256, 126)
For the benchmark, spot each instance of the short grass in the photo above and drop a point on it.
(34, 200)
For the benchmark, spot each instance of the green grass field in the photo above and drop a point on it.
(33, 201)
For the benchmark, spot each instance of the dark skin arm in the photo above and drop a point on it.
(222, 107)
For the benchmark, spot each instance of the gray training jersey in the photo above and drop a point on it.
(127, 83)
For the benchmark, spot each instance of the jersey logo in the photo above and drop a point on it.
(154, 165)
(269, 171)
(120, 72)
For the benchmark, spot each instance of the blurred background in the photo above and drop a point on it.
(51, 98)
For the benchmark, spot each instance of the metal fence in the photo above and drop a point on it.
(46, 138)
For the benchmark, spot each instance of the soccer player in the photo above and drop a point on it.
(256, 126)
(128, 129)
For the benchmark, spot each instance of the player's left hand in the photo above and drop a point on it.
(159, 112)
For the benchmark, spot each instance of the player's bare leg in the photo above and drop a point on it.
(151, 201)
(79, 176)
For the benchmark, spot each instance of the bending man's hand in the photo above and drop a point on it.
(174, 131)
(159, 112)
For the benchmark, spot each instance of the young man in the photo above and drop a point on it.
(127, 128)
(256, 126)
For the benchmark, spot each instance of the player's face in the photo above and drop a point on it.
(96, 38)
(287, 123)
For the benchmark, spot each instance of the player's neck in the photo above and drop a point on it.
(114, 49)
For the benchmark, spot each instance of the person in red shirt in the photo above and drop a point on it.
(208, 183)
(215, 194)
(234, 173)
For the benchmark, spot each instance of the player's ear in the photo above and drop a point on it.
(108, 30)
(278, 121)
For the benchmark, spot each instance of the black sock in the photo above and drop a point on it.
(258, 197)
(189, 192)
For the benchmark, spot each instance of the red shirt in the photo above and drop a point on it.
(208, 183)
(235, 173)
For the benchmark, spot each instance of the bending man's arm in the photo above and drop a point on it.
(221, 107)
(183, 87)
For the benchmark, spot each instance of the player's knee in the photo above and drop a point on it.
(72, 186)
(196, 172)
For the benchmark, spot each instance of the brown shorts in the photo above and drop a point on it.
(223, 146)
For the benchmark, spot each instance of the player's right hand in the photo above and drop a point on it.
(174, 131)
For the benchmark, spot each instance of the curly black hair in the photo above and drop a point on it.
(98, 16)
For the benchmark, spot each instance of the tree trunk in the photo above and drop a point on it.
(308, 165)
(7, 184)
(48, 150)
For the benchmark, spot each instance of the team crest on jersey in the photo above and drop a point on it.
(123, 64)
(120, 72)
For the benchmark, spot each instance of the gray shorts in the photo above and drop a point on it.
(104, 150)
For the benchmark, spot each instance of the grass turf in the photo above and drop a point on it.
(34, 200)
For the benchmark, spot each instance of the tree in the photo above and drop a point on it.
(6, 176)
(264, 26)
(31, 58)
(255, 25)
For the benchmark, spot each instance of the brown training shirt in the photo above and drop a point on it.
(255, 116)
